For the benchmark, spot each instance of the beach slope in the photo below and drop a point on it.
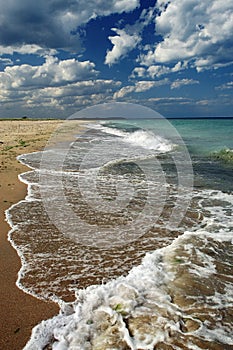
(20, 312)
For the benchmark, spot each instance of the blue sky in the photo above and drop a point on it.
(60, 56)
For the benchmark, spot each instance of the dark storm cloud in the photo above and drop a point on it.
(33, 23)
(49, 23)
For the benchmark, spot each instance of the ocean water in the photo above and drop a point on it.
(129, 228)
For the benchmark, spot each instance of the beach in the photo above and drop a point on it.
(116, 168)
(19, 311)
(122, 280)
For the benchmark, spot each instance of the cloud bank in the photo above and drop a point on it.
(55, 84)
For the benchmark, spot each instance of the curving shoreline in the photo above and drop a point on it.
(194, 297)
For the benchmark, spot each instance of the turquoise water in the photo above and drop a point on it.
(206, 138)
(209, 143)
(201, 136)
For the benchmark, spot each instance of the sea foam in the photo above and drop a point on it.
(141, 138)
(138, 311)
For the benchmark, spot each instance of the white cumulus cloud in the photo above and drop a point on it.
(140, 86)
(53, 72)
(122, 44)
(157, 70)
(226, 86)
(181, 82)
(194, 30)
(129, 37)
(26, 49)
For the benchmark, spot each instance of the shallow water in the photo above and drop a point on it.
(112, 174)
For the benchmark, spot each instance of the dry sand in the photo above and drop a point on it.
(20, 312)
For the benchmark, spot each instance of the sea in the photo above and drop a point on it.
(129, 229)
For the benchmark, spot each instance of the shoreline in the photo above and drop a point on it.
(20, 311)
(186, 309)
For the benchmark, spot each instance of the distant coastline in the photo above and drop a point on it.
(114, 118)
(170, 118)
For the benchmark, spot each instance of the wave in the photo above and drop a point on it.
(140, 138)
(121, 126)
(149, 141)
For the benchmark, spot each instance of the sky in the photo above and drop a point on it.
(60, 56)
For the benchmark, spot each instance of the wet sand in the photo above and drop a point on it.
(20, 312)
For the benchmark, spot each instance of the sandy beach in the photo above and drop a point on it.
(20, 312)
